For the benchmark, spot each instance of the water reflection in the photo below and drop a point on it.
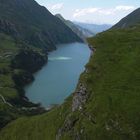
(60, 58)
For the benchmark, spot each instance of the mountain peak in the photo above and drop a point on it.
(60, 17)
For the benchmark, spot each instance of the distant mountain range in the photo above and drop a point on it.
(83, 33)
(94, 27)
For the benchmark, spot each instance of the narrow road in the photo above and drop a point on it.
(4, 101)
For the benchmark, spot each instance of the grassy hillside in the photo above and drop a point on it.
(7, 51)
(111, 111)
(13, 55)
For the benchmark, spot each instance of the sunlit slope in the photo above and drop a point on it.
(112, 109)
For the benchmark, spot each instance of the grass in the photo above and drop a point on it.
(8, 87)
(41, 126)
(113, 82)
(8, 49)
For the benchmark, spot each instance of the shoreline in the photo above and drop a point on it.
(50, 106)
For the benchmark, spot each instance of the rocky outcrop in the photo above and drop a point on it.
(79, 98)
(67, 126)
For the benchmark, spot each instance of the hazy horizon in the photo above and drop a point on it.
(92, 12)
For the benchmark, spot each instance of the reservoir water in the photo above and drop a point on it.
(59, 77)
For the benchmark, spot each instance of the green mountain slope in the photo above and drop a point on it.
(130, 20)
(17, 62)
(34, 24)
(105, 105)
(81, 32)
(27, 32)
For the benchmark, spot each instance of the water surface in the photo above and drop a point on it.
(59, 77)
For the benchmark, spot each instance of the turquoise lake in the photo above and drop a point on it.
(59, 77)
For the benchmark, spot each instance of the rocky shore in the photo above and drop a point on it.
(79, 98)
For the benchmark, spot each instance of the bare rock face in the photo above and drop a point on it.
(67, 126)
(80, 98)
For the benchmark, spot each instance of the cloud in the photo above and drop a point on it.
(57, 6)
(103, 11)
(82, 12)
(124, 8)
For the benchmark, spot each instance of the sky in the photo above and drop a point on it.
(91, 11)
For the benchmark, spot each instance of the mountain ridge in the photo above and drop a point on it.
(83, 33)
(35, 24)
(130, 20)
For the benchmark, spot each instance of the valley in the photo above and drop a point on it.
(55, 87)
